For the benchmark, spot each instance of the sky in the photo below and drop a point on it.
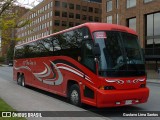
(28, 3)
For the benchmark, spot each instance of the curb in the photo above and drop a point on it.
(154, 81)
(2, 65)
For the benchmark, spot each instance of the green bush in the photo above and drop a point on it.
(2, 59)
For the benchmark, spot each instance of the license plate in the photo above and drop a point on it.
(128, 102)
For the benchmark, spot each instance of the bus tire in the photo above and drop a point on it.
(19, 79)
(74, 95)
(23, 81)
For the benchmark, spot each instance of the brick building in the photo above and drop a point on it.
(53, 15)
(142, 16)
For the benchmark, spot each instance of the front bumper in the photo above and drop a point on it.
(113, 98)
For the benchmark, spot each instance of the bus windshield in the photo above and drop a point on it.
(121, 55)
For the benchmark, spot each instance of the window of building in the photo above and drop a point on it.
(51, 23)
(71, 6)
(109, 6)
(96, 10)
(90, 18)
(57, 22)
(38, 12)
(109, 19)
(71, 24)
(48, 15)
(45, 7)
(117, 18)
(57, 13)
(64, 14)
(47, 24)
(131, 3)
(84, 17)
(77, 24)
(51, 4)
(51, 31)
(78, 16)
(96, 19)
(153, 30)
(51, 13)
(48, 6)
(71, 15)
(64, 5)
(64, 23)
(42, 18)
(146, 1)
(78, 7)
(57, 3)
(84, 8)
(132, 23)
(90, 9)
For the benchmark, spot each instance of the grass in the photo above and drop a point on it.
(5, 107)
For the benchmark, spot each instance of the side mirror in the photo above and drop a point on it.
(96, 50)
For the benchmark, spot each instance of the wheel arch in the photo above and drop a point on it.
(19, 73)
(69, 84)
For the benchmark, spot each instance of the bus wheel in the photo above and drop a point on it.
(19, 80)
(74, 95)
(23, 81)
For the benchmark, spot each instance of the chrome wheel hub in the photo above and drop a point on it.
(74, 97)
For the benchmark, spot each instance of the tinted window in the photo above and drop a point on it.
(64, 4)
(57, 3)
(67, 44)
(121, 55)
(71, 6)
(78, 7)
(71, 15)
(64, 14)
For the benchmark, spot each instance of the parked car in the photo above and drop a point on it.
(10, 63)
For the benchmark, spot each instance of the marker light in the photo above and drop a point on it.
(107, 88)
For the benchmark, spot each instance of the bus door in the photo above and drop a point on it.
(89, 62)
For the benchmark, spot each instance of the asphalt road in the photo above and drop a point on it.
(31, 99)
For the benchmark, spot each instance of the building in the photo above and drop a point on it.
(53, 15)
(140, 15)
(11, 33)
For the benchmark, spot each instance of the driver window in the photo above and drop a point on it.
(87, 55)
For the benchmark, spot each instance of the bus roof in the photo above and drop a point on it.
(93, 26)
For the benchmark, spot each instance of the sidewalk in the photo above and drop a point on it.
(3, 65)
(153, 80)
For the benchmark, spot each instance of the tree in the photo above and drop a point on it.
(9, 22)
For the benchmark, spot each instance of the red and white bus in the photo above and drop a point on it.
(97, 64)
